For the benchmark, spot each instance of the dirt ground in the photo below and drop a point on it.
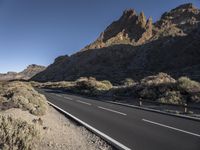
(58, 132)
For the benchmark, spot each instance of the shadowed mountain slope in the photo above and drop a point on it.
(134, 47)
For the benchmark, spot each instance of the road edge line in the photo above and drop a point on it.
(107, 138)
(157, 111)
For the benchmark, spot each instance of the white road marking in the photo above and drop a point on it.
(69, 98)
(173, 128)
(58, 95)
(84, 102)
(112, 110)
(110, 139)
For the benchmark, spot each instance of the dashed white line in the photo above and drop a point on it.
(173, 128)
(112, 110)
(69, 98)
(84, 102)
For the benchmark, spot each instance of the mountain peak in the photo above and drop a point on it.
(181, 20)
(128, 14)
(130, 28)
(185, 6)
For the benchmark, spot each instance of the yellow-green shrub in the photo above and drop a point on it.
(16, 134)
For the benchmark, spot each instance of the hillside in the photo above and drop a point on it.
(135, 47)
(26, 74)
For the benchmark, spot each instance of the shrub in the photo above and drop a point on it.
(17, 134)
(122, 91)
(107, 83)
(55, 85)
(161, 78)
(93, 84)
(128, 82)
(171, 97)
(148, 93)
(23, 96)
(192, 88)
(188, 85)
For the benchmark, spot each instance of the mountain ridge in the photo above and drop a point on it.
(26, 74)
(134, 47)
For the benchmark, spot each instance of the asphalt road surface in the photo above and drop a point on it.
(136, 129)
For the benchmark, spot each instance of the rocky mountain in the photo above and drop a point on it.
(26, 74)
(134, 47)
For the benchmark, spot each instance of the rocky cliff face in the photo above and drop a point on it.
(134, 47)
(26, 74)
(178, 22)
(129, 29)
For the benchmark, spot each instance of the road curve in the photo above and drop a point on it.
(136, 129)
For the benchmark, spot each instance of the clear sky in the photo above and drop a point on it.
(37, 31)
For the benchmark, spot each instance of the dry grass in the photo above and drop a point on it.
(16, 134)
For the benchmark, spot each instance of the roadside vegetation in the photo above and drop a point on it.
(28, 123)
(22, 95)
(157, 88)
(17, 133)
(88, 86)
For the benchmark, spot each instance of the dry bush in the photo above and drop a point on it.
(161, 78)
(16, 134)
(163, 88)
(93, 84)
(148, 93)
(35, 84)
(185, 84)
(172, 97)
(189, 87)
(54, 85)
(128, 82)
(22, 95)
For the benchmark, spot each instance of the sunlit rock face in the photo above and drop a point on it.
(131, 28)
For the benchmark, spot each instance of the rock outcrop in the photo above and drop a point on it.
(129, 29)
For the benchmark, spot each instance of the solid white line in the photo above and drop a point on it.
(162, 125)
(112, 110)
(69, 98)
(92, 128)
(83, 102)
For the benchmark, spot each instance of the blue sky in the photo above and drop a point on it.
(37, 31)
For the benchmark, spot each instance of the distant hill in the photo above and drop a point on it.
(134, 47)
(26, 74)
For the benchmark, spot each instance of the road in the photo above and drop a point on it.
(136, 129)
